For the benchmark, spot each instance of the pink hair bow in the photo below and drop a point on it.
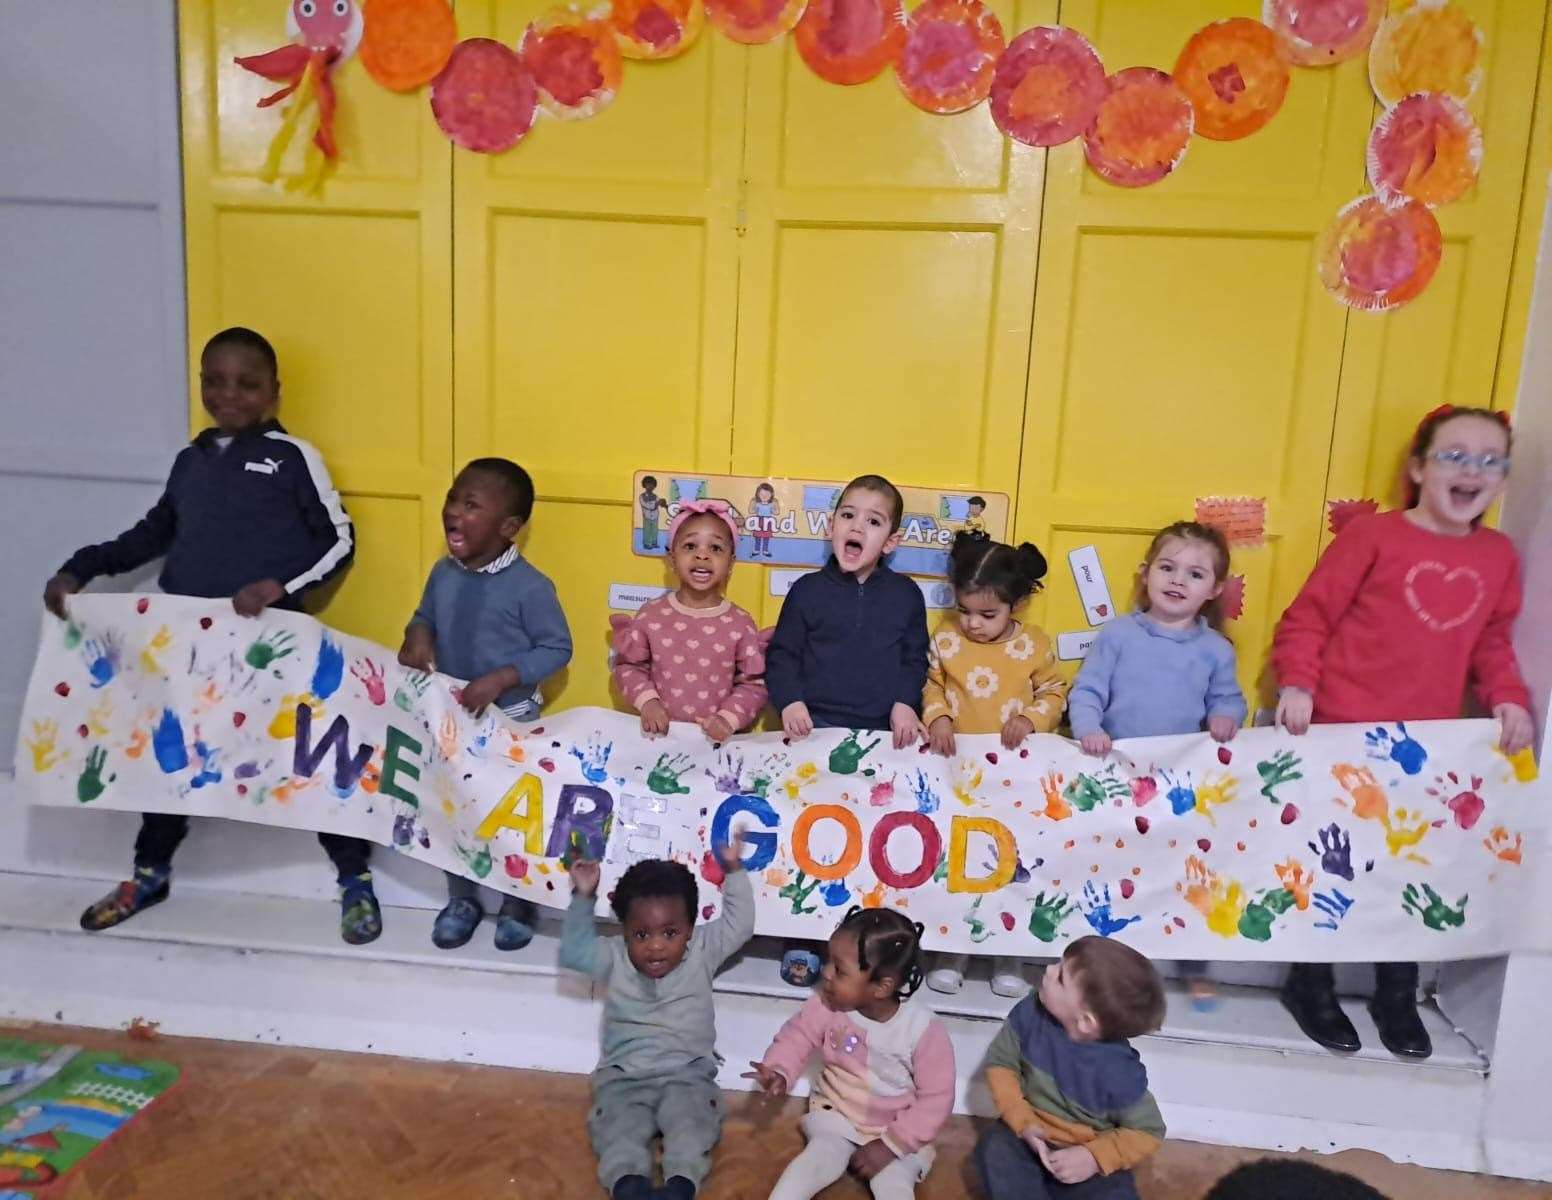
(698, 508)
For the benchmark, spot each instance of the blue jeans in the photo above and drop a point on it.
(1009, 1170)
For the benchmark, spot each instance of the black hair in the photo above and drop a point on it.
(653, 878)
(1289, 1179)
(981, 500)
(877, 483)
(887, 944)
(517, 482)
(648, 482)
(239, 335)
(1011, 573)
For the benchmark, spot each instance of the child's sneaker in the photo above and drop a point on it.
(456, 923)
(632, 1187)
(1204, 993)
(676, 1188)
(1009, 981)
(948, 973)
(148, 887)
(514, 923)
(361, 920)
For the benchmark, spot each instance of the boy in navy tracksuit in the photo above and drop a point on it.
(248, 512)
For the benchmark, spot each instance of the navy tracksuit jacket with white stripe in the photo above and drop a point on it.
(263, 508)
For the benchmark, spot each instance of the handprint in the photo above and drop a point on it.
(1181, 794)
(209, 764)
(1462, 801)
(408, 694)
(1334, 906)
(160, 641)
(1048, 915)
(966, 777)
(1297, 880)
(1056, 806)
(1281, 768)
(798, 892)
(1085, 793)
(98, 716)
(139, 739)
(283, 725)
(208, 697)
(1096, 911)
(477, 860)
(979, 931)
(102, 659)
(1255, 923)
(1221, 902)
(1405, 828)
(926, 797)
(595, 760)
(1214, 791)
(1399, 747)
(1336, 851)
(794, 784)
(447, 739)
(91, 783)
(1436, 914)
(848, 754)
(293, 786)
(371, 677)
(1367, 796)
(270, 646)
(727, 773)
(664, 776)
(1499, 845)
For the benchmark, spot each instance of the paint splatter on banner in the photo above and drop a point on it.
(1392, 841)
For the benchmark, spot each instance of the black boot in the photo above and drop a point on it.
(1310, 995)
(1394, 1009)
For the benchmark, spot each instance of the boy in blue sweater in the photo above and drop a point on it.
(248, 512)
(488, 616)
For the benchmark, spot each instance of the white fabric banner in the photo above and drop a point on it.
(1350, 843)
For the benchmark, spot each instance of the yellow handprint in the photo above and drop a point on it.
(44, 756)
(1224, 789)
(805, 774)
(98, 716)
(1368, 797)
(1297, 880)
(1222, 903)
(967, 777)
(159, 642)
(284, 724)
(1056, 806)
(1403, 828)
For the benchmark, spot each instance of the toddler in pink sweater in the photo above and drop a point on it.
(888, 1080)
(694, 655)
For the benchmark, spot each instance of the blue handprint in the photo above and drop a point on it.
(836, 893)
(1334, 905)
(102, 659)
(1336, 851)
(595, 759)
(1095, 905)
(481, 739)
(926, 799)
(1399, 747)
(209, 765)
(727, 772)
(1181, 794)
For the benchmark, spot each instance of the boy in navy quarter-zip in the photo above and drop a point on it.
(248, 512)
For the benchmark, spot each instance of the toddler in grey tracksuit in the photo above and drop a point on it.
(657, 1067)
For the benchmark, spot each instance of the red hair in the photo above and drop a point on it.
(1422, 441)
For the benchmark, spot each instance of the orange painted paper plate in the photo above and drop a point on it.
(1142, 128)
(1427, 148)
(754, 22)
(656, 28)
(1433, 47)
(1376, 256)
(1047, 87)
(1321, 33)
(850, 41)
(575, 63)
(1236, 76)
(484, 99)
(406, 43)
(950, 55)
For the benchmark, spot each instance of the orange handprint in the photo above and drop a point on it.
(1297, 880)
(1221, 902)
(1056, 806)
(139, 739)
(292, 786)
(1499, 845)
(447, 738)
(1368, 797)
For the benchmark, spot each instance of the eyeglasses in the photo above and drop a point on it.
(1459, 460)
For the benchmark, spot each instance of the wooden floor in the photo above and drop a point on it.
(256, 1122)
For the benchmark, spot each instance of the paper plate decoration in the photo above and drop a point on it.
(850, 41)
(484, 99)
(1426, 48)
(950, 54)
(1142, 128)
(1047, 87)
(754, 22)
(1377, 256)
(575, 63)
(324, 34)
(656, 28)
(407, 42)
(1236, 77)
(1427, 148)
(1321, 33)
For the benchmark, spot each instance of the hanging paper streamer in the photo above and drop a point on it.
(1321, 33)
(484, 99)
(575, 62)
(850, 41)
(1427, 148)
(950, 55)
(330, 31)
(652, 29)
(754, 22)
(1376, 256)
(1047, 87)
(1142, 129)
(1429, 47)
(407, 42)
(1236, 77)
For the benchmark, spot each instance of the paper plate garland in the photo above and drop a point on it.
(484, 99)
(1376, 256)
(1427, 148)
(1321, 33)
(1142, 129)
(850, 41)
(754, 22)
(406, 43)
(653, 29)
(950, 54)
(1236, 77)
(575, 63)
(1047, 87)
(1431, 47)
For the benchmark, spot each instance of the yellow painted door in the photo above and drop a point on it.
(353, 289)
(594, 301)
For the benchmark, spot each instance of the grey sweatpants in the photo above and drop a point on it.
(832, 1140)
(1010, 1170)
(684, 1105)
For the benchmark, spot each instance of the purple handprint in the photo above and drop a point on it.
(1336, 851)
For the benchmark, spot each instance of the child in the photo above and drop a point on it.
(489, 616)
(764, 508)
(1402, 610)
(1073, 1094)
(650, 503)
(248, 512)
(1287, 1179)
(693, 655)
(888, 1079)
(1165, 668)
(975, 519)
(657, 1072)
(988, 673)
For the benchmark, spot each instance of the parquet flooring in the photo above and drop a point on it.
(257, 1122)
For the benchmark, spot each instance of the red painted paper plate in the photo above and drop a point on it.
(850, 41)
(1377, 256)
(406, 43)
(950, 55)
(575, 63)
(1142, 128)
(1235, 74)
(754, 22)
(1427, 148)
(1321, 33)
(656, 28)
(1047, 87)
(484, 99)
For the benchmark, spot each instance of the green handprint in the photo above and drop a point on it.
(664, 776)
(268, 648)
(845, 758)
(940, 872)
(411, 690)
(1048, 916)
(797, 892)
(1085, 793)
(1255, 923)
(1436, 914)
(978, 931)
(477, 861)
(1281, 768)
(72, 635)
(92, 784)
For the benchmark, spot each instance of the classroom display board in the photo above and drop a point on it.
(1351, 843)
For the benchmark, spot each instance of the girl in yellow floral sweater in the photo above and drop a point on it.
(989, 673)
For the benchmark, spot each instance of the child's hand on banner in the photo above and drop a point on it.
(654, 719)
(584, 877)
